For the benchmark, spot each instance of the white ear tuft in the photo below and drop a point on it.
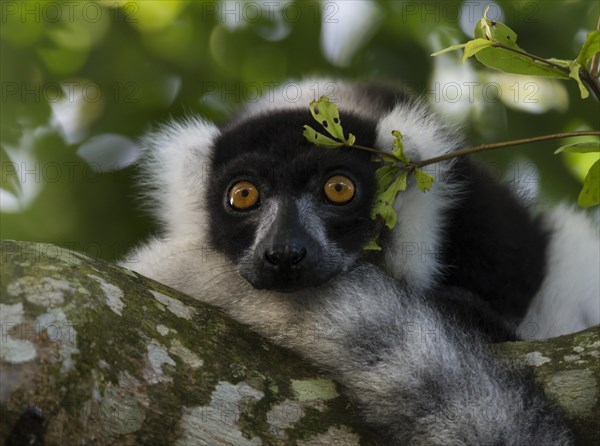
(174, 172)
(414, 254)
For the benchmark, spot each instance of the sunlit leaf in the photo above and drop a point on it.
(590, 47)
(574, 74)
(590, 192)
(319, 139)
(581, 147)
(474, 46)
(152, 16)
(450, 48)
(424, 180)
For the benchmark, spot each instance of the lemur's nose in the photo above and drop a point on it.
(287, 256)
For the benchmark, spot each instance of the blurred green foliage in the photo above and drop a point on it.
(81, 78)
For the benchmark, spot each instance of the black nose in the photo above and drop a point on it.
(285, 256)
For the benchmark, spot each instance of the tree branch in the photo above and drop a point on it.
(93, 353)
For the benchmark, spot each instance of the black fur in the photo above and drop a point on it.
(494, 246)
(271, 152)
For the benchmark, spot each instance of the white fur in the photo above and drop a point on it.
(270, 207)
(174, 173)
(569, 298)
(297, 94)
(414, 254)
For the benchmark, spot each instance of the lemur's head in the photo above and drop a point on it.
(290, 214)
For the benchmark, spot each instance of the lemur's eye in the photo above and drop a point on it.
(339, 189)
(243, 195)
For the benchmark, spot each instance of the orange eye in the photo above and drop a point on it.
(243, 195)
(339, 189)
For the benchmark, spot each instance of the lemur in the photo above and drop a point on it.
(269, 227)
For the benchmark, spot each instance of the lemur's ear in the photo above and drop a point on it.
(174, 172)
(424, 136)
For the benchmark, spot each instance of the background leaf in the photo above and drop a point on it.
(590, 192)
(580, 147)
(590, 47)
(574, 68)
(506, 60)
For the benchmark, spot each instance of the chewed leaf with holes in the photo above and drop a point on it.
(424, 180)
(327, 114)
(384, 177)
(399, 147)
(319, 139)
(504, 59)
(384, 202)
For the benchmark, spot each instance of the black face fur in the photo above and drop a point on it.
(310, 238)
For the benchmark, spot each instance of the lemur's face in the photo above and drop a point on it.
(289, 214)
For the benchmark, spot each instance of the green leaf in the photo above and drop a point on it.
(319, 139)
(474, 46)
(496, 32)
(450, 48)
(507, 59)
(398, 151)
(562, 62)
(574, 74)
(384, 177)
(384, 204)
(327, 114)
(351, 139)
(590, 193)
(371, 246)
(63, 61)
(510, 62)
(590, 47)
(424, 181)
(580, 147)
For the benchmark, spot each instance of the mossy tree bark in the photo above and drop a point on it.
(95, 354)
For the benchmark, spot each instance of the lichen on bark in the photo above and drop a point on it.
(95, 354)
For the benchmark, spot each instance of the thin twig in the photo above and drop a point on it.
(593, 75)
(381, 153)
(498, 145)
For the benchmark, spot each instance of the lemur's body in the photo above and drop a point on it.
(466, 264)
